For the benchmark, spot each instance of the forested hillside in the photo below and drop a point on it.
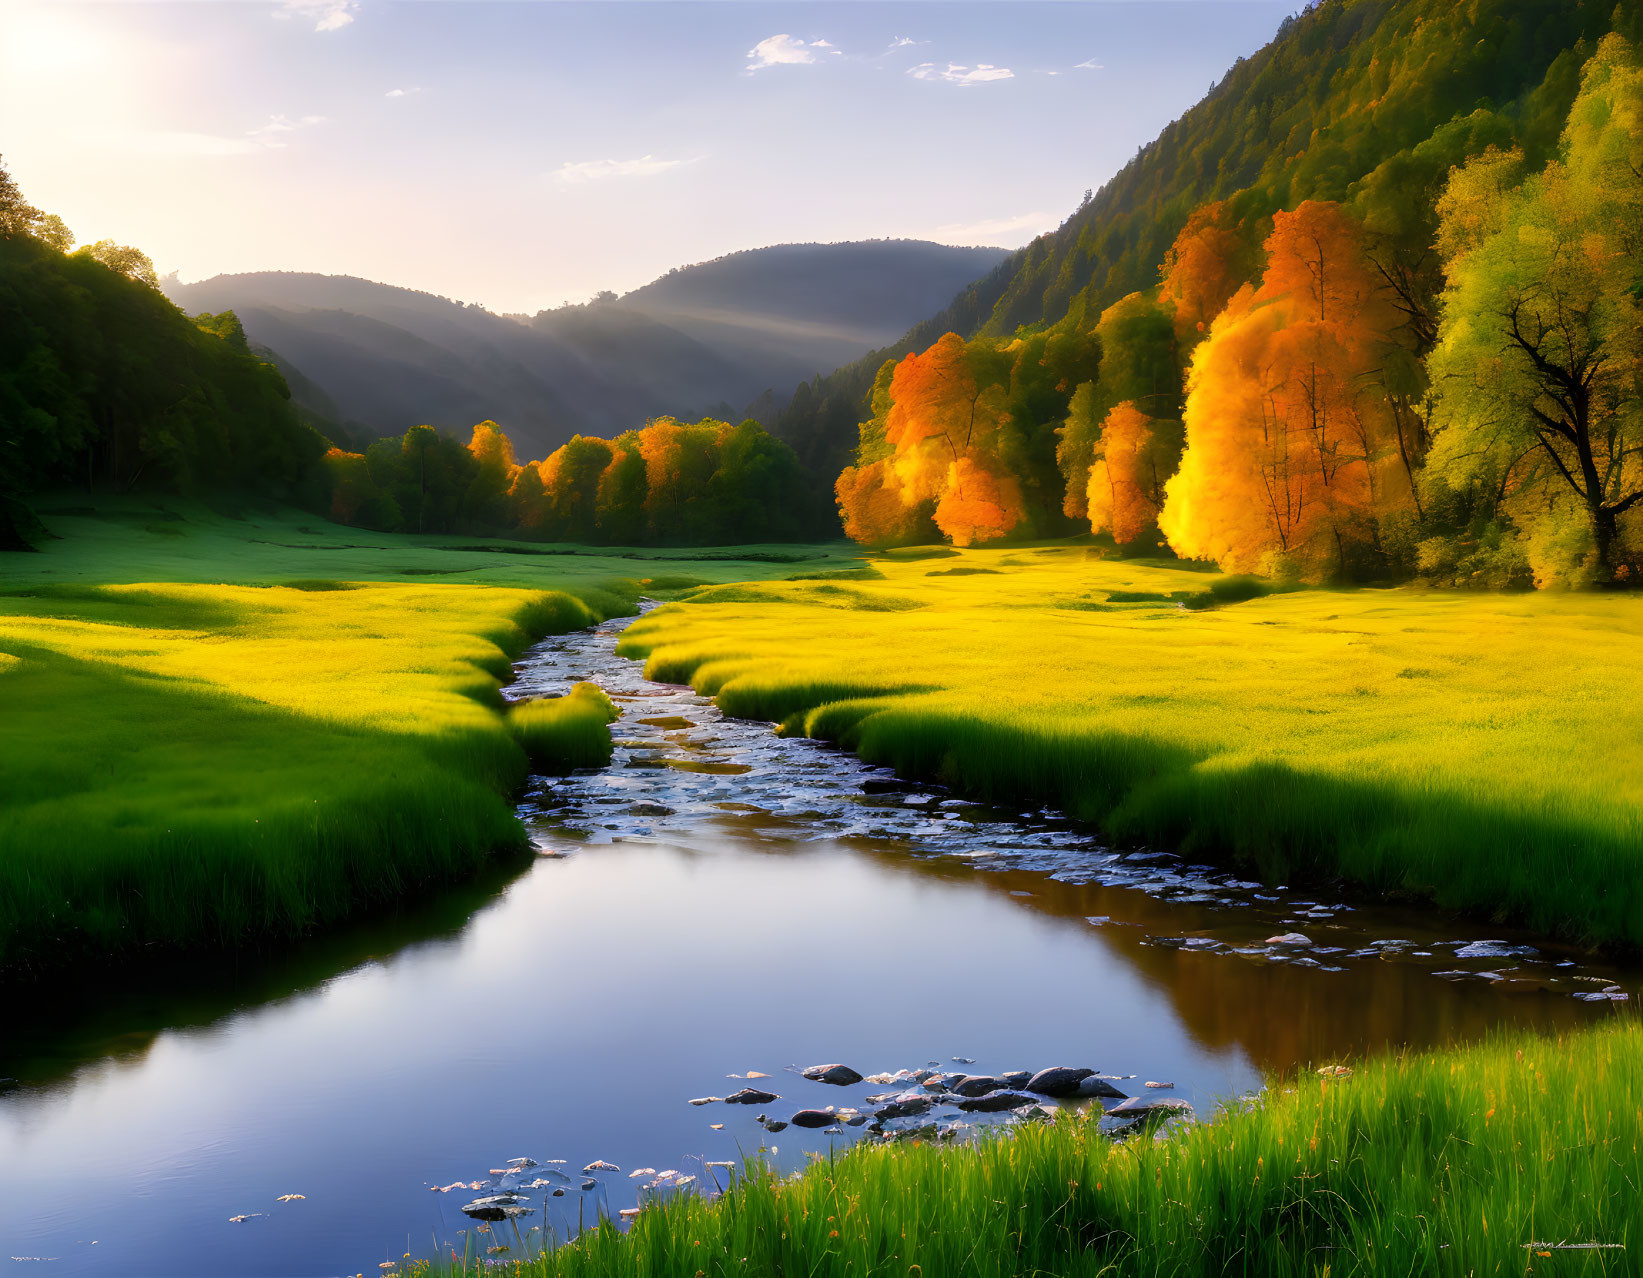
(105, 385)
(377, 359)
(1370, 310)
(1342, 89)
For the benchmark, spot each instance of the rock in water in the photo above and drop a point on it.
(813, 1118)
(599, 1166)
(751, 1096)
(1137, 1106)
(496, 1207)
(1289, 938)
(1058, 1080)
(1097, 1086)
(981, 1084)
(838, 1075)
(997, 1102)
(903, 1106)
(1017, 1077)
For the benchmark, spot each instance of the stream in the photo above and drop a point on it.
(716, 910)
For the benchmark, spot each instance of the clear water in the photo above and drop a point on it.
(718, 901)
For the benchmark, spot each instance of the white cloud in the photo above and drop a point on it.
(785, 51)
(1089, 64)
(400, 93)
(327, 15)
(583, 171)
(272, 136)
(981, 73)
(902, 42)
(997, 230)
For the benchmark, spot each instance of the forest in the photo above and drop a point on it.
(1360, 389)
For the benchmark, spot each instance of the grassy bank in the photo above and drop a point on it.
(226, 731)
(1482, 751)
(1449, 1164)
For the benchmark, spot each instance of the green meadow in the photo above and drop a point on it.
(229, 731)
(1519, 1155)
(1480, 751)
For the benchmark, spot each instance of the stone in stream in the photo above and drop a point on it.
(1289, 939)
(814, 1118)
(997, 1102)
(1017, 1078)
(838, 1075)
(599, 1165)
(1095, 1085)
(981, 1084)
(650, 810)
(775, 1125)
(1058, 1080)
(903, 1106)
(1139, 1106)
(879, 785)
(751, 1096)
(496, 1207)
(706, 1100)
(589, 1184)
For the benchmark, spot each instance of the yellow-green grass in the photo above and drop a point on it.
(189, 763)
(1483, 751)
(1448, 1164)
(572, 731)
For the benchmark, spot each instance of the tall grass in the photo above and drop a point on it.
(572, 731)
(1483, 752)
(192, 765)
(1452, 1163)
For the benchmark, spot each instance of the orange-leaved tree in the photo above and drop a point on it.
(1134, 458)
(1289, 443)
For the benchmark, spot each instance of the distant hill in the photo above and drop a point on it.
(374, 359)
(1344, 88)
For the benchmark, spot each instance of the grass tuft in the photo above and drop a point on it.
(562, 733)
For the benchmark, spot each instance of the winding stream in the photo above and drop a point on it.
(716, 903)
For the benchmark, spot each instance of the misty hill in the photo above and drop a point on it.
(1346, 89)
(376, 359)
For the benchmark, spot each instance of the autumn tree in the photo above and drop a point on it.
(1204, 267)
(1287, 440)
(17, 215)
(1135, 456)
(1540, 348)
(1139, 365)
(485, 503)
(621, 499)
(570, 485)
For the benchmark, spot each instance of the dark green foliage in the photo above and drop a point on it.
(106, 385)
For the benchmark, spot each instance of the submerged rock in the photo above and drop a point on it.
(837, 1075)
(1058, 1080)
(497, 1207)
(1095, 1085)
(814, 1118)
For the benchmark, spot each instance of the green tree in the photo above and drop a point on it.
(130, 262)
(1540, 347)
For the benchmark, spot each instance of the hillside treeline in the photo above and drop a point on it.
(106, 385)
(1439, 371)
(668, 483)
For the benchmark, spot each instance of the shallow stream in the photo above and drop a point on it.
(716, 905)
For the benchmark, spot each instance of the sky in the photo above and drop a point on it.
(523, 154)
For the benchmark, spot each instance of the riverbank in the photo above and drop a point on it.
(1517, 1155)
(228, 732)
(1482, 752)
